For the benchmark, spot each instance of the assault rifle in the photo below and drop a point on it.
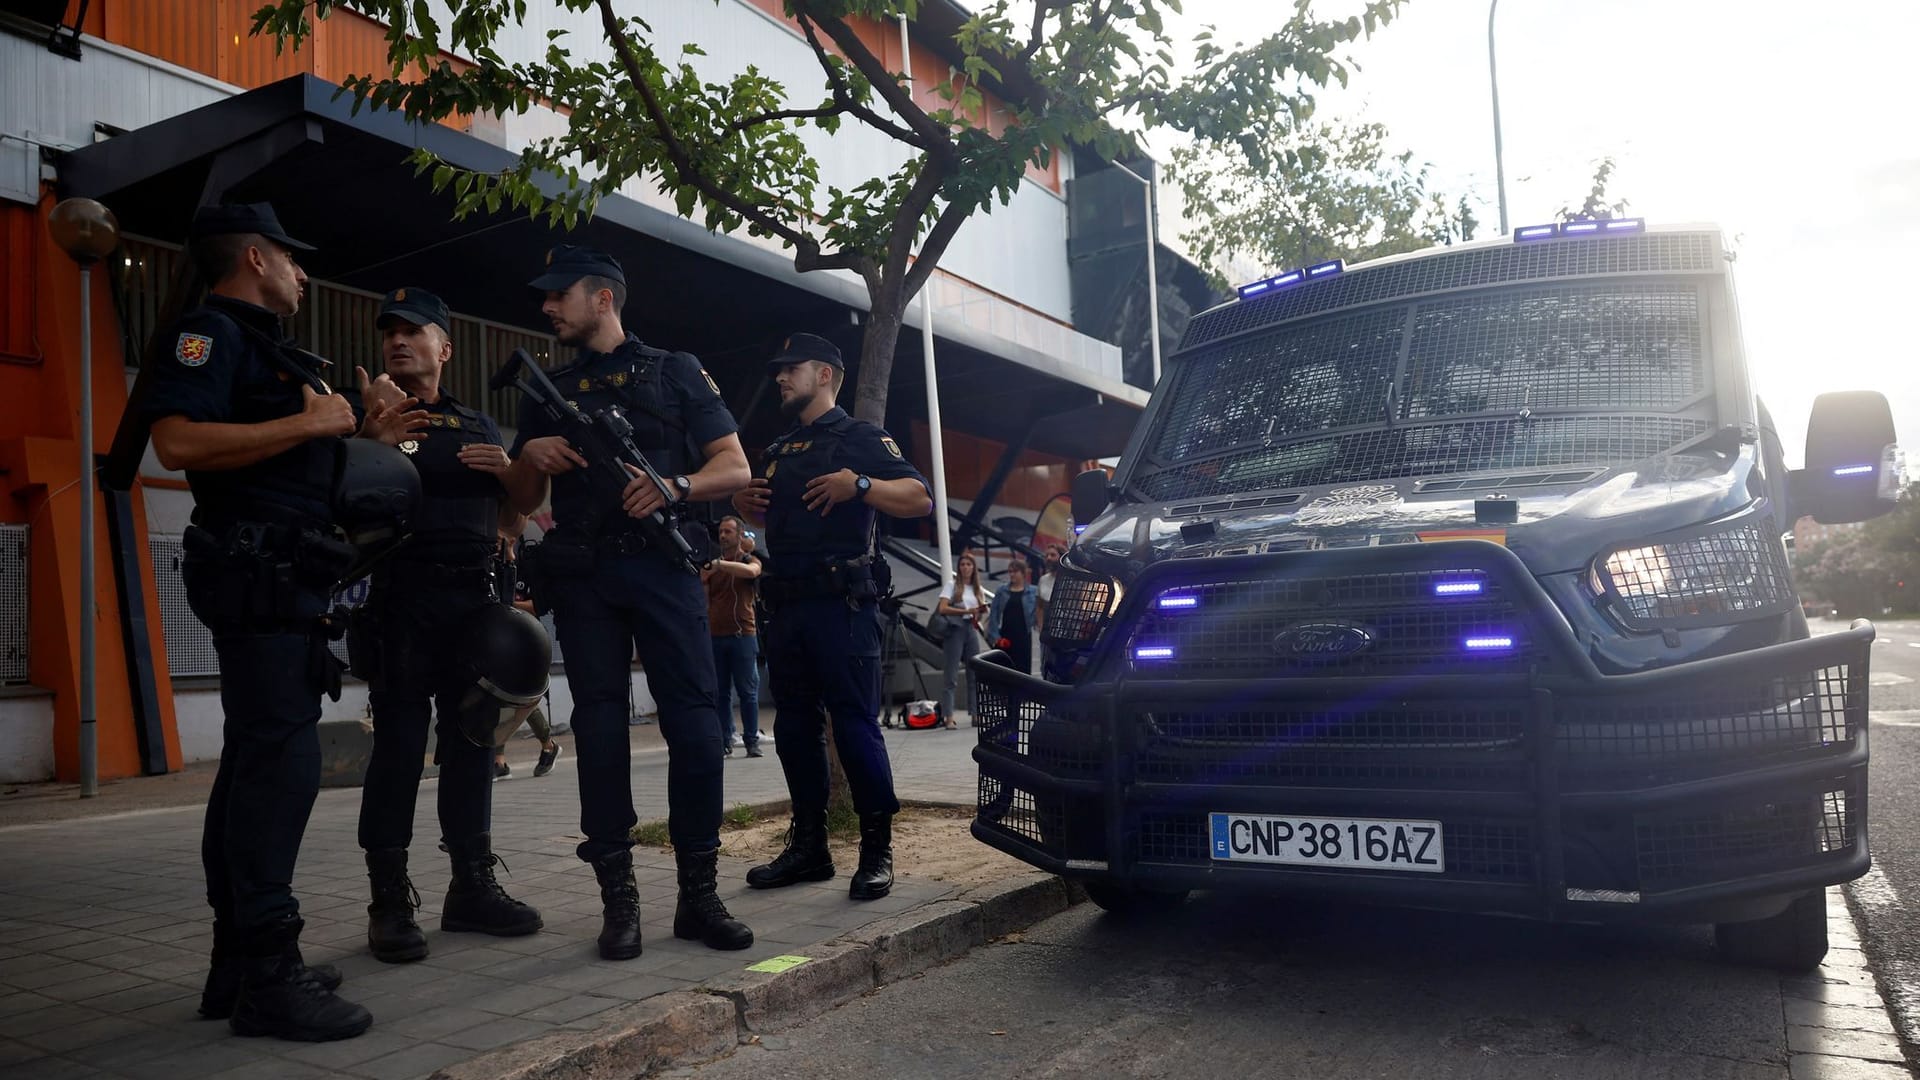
(604, 439)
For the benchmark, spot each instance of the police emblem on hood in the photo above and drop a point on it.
(1344, 506)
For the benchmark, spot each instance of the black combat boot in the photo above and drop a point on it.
(620, 903)
(874, 878)
(281, 997)
(223, 978)
(475, 900)
(391, 932)
(806, 857)
(700, 916)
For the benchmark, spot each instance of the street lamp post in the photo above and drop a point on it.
(1153, 280)
(1499, 162)
(87, 232)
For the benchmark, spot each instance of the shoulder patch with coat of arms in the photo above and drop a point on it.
(711, 385)
(192, 350)
(892, 447)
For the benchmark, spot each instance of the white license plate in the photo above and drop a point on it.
(1367, 843)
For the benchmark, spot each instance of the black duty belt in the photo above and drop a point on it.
(624, 543)
(440, 574)
(259, 513)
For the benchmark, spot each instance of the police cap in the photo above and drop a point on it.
(800, 348)
(242, 218)
(568, 263)
(417, 306)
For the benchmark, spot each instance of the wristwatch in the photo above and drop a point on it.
(861, 485)
(684, 486)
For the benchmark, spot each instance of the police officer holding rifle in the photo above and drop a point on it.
(624, 438)
(286, 508)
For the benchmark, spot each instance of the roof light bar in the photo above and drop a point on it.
(1326, 269)
(1854, 470)
(1595, 227)
(1291, 278)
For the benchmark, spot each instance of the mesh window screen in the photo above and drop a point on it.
(13, 604)
(1613, 346)
(189, 642)
(1329, 374)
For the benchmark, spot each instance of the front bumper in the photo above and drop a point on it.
(1705, 791)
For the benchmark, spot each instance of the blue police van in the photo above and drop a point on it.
(1458, 580)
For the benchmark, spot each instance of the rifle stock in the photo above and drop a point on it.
(605, 440)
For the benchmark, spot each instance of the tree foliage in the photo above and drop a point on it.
(1597, 206)
(740, 150)
(1873, 567)
(1304, 193)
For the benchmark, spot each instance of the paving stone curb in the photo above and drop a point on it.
(686, 1026)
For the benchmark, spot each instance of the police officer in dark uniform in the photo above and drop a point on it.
(261, 438)
(614, 589)
(826, 483)
(408, 640)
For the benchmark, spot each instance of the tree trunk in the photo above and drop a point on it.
(876, 359)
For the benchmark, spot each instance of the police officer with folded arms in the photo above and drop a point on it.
(263, 442)
(426, 643)
(825, 484)
(615, 588)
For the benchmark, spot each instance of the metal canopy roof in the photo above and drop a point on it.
(340, 180)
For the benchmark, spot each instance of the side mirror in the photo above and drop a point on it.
(1853, 468)
(1091, 493)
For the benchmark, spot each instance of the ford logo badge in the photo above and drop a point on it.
(1323, 641)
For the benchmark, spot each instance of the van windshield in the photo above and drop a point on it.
(1595, 373)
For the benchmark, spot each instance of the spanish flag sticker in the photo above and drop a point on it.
(1491, 536)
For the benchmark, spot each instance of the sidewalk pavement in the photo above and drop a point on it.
(104, 928)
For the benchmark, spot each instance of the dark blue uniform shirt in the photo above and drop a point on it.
(458, 520)
(219, 369)
(649, 385)
(799, 540)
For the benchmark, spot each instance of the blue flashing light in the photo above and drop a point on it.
(1625, 225)
(1535, 232)
(1459, 588)
(1488, 643)
(1179, 602)
(1854, 470)
(1280, 281)
(1078, 529)
(1326, 269)
(1153, 652)
(1581, 228)
(1253, 289)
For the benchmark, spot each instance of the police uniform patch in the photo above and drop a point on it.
(771, 465)
(411, 446)
(192, 350)
(711, 385)
(399, 295)
(892, 447)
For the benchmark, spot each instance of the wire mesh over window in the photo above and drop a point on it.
(15, 634)
(1702, 579)
(1616, 346)
(1327, 374)
(1655, 253)
(189, 642)
(1428, 450)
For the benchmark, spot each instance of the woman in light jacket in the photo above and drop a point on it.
(1012, 630)
(959, 609)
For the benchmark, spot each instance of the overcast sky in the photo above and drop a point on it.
(1794, 126)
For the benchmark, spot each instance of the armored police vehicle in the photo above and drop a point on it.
(1458, 580)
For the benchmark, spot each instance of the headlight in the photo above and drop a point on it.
(1080, 606)
(1729, 574)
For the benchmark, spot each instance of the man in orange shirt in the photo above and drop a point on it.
(731, 580)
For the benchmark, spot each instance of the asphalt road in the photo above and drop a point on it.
(1359, 992)
(1885, 897)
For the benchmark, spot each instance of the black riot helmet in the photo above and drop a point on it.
(376, 491)
(506, 655)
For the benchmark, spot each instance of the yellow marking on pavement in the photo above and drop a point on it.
(778, 964)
